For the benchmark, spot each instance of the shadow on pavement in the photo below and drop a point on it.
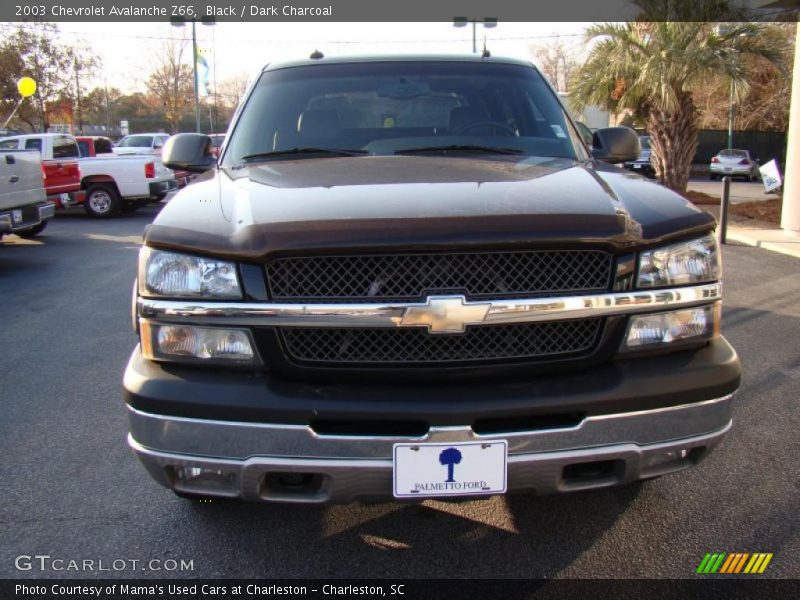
(514, 536)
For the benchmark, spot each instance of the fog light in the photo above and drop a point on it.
(201, 479)
(673, 456)
(206, 345)
(669, 328)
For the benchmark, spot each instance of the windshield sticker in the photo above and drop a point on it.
(558, 131)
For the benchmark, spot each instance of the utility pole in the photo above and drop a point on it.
(108, 110)
(78, 97)
(731, 116)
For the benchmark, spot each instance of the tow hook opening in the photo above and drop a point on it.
(594, 473)
(291, 484)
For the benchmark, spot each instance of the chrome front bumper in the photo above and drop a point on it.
(291, 463)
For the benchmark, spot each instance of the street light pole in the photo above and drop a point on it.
(474, 35)
(488, 22)
(180, 22)
(196, 84)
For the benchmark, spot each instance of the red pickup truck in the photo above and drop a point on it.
(60, 153)
(94, 145)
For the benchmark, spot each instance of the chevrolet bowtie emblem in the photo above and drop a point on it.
(445, 314)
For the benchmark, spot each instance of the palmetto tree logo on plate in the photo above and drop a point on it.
(450, 457)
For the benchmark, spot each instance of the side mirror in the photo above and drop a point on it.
(188, 152)
(615, 144)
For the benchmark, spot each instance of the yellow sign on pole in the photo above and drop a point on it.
(26, 87)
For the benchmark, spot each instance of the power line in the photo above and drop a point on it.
(306, 42)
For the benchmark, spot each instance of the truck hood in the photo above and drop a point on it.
(419, 203)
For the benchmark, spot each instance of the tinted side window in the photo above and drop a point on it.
(9, 144)
(64, 147)
(102, 146)
(84, 147)
(33, 144)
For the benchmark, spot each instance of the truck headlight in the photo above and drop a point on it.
(673, 327)
(173, 275)
(202, 345)
(695, 261)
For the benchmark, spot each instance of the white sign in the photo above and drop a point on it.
(123, 128)
(455, 469)
(770, 175)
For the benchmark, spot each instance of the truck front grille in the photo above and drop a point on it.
(415, 346)
(410, 277)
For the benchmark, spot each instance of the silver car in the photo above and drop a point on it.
(734, 163)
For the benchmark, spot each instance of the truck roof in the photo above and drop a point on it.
(366, 58)
(38, 135)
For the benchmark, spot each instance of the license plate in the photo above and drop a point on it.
(637, 166)
(16, 215)
(64, 198)
(460, 469)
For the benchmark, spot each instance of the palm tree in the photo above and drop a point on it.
(652, 67)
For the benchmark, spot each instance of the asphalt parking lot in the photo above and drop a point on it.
(72, 490)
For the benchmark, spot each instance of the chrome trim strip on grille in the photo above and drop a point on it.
(396, 314)
(241, 440)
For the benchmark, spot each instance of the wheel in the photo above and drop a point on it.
(33, 231)
(102, 201)
(497, 125)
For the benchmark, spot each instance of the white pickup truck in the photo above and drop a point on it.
(109, 184)
(123, 183)
(24, 208)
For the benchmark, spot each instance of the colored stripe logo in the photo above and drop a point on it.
(734, 562)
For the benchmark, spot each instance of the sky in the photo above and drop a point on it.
(242, 48)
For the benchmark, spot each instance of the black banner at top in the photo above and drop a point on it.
(391, 10)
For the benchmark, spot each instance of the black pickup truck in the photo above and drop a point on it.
(409, 277)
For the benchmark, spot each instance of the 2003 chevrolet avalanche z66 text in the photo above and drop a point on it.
(408, 277)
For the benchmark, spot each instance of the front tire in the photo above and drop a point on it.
(33, 231)
(102, 201)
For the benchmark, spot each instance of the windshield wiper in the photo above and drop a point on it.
(461, 148)
(301, 151)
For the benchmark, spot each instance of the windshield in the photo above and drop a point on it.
(645, 142)
(136, 141)
(398, 107)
